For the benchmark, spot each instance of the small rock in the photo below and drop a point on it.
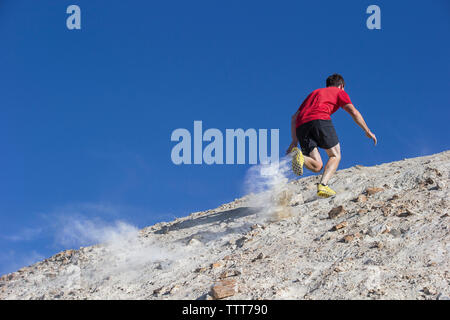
(240, 242)
(253, 233)
(363, 211)
(216, 265)
(224, 288)
(259, 257)
(229, 273)
(405, 213)
(340, 225)
(377, 205)
(339, 269)
(361, 198)
(377, 245)
(158, 291)
(376, 292)
(193, 242)
(429, 291)
(336, 212)
(165, 229)
(372, 191)
(200, 269)
(386, 211)
(348, 238)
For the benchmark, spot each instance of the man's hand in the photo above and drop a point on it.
(291, 146)
(358, 118)
(370, 135)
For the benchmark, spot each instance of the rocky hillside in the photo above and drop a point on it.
(384, 236)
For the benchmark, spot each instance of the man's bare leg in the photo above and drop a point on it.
(313, 161)
(334, 155)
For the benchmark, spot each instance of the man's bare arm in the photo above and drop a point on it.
(358, 118)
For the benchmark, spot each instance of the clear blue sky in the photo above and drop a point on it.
(86, 115)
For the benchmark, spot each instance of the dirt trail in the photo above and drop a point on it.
(384, 236)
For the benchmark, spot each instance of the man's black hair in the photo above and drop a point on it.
(335, 80)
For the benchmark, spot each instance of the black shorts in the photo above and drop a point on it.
(316, 133)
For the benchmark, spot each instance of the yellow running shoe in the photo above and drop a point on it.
(297, 161)
(325, 191)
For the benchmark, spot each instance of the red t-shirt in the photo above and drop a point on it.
(321, 103)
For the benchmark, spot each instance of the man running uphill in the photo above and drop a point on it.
(311, 126)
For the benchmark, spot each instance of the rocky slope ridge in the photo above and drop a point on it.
(384, 236)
